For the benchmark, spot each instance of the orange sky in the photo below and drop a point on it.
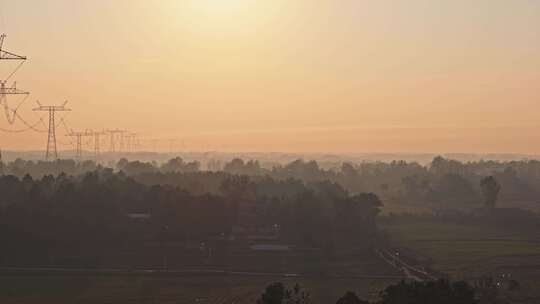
(285, 75)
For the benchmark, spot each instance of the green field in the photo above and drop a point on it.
(465, 251)
(394, 207)
(533, 206)
(153, 289)
(462, 249)
(326, 279)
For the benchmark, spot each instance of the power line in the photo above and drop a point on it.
(5, 55)
(97, 137)
(132, 142)
(113, 136)
(5, 90)
(51, 137)
(78, 137)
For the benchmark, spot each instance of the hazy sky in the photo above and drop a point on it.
(286, 75)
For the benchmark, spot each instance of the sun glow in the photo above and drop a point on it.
(221, 18)
(217, 8)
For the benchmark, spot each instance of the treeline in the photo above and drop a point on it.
(103, 209)
(38, 169)
(441, 181)
(440, 292)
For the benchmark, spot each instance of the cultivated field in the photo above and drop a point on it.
(166, 289)
(241, 281)
(465, 251)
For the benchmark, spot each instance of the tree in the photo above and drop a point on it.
(297, 295)
(173, 165)
(350, 298)
(277, 293)
(452, 187)
(490, 189)
(177, 164)
(354, 223)
(440, 292)
(273, 294)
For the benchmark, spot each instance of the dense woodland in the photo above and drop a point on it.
(443, 181)
(68, 204)
(176, 214)
(93, 210)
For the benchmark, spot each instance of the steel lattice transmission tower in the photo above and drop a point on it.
(97, 136)
(113, 134)
(132, 142)
(78, 137)
(51, 137)
(6, 90)
(5, 55)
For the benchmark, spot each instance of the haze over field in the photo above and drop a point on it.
(270, 151)
(290, 76)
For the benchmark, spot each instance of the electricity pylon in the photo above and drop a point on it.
(51, 137)
(154, 144)
(113, 134)
(78, 145)
(5, 55)
(132, 142)
(78, 137)
(97, 136)
(6, 90)
(172, 145)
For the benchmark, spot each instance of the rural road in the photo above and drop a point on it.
(409, 271)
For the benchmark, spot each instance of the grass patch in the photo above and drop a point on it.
(464, 249)
(190, 289)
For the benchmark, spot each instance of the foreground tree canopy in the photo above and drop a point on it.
(440, 292)
(103, 209)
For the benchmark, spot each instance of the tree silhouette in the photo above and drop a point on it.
(440, 292)
(351, 298)
(490, 189)
(277, 293)
(274, 294)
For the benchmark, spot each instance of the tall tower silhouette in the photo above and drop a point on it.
(130, 142)
(97, 141)
(78, 136)
(113, 139)
(6, 89)
(51, 136)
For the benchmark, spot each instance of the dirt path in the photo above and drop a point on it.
(411, 272)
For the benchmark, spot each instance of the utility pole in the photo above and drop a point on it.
(51, 136)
